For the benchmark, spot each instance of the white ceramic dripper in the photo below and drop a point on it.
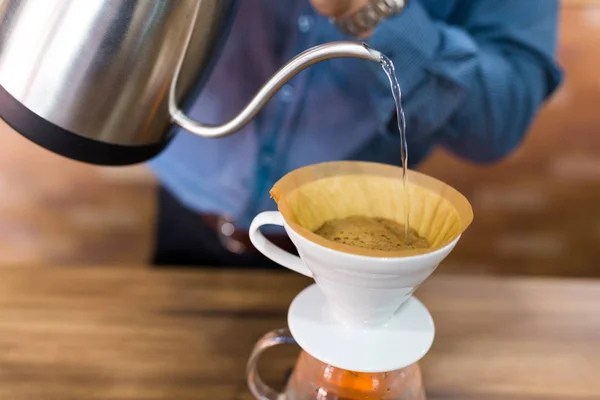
(364, 290)
(361, 291)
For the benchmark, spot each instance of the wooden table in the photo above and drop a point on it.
(135, 333)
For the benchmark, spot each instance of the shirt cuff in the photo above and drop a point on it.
(411, 34)
(411, 40)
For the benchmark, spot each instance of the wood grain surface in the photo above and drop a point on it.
(136, 333)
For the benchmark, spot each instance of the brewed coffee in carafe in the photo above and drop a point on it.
(312, 379)
(315, 380)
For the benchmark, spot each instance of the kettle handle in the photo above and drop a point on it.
(259, 389)
(339, 49)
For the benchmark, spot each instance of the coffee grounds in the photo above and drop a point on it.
(371, 233)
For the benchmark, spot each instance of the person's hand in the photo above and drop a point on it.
(338, 8)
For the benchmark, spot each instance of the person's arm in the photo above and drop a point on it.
(473, 88)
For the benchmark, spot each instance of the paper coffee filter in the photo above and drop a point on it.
(310, 196)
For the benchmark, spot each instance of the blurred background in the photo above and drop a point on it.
(536, 213)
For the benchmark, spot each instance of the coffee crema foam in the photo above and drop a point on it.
(371, 233)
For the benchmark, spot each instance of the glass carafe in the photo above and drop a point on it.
(313, 379)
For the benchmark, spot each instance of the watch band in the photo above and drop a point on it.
(369, 16)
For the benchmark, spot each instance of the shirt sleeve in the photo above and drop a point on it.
(472, 87)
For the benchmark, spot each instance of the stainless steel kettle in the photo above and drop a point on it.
(100, 81)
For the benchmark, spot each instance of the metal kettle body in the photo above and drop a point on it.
(100, 81)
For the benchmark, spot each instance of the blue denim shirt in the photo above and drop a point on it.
(473, 74)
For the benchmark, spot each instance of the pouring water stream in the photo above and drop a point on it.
(388, 68)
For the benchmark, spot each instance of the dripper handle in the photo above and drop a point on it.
(273, 252)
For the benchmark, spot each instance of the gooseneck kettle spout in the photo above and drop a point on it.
(101, 81)
(341, 49)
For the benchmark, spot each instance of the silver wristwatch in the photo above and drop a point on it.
(369, 16)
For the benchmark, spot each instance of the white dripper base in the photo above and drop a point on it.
(402, 341)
